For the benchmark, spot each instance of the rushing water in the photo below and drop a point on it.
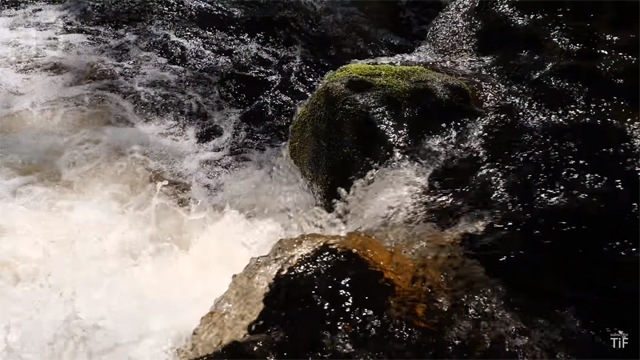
(96, 260)
(131, 190)
(117, 231)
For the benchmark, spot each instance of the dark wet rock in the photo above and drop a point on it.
(353, 297)
(455, 181)
(330, 304)
(178, 190)
(362, 114)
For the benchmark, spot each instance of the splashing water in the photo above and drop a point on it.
(112, 242)
(97, 261)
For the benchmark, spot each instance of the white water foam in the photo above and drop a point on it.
(96, 260)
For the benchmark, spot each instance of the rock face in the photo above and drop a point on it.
(231, 314)
(354, 297)
(362, 114)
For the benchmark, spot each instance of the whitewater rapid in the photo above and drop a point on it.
(118, 230)
(96, 260)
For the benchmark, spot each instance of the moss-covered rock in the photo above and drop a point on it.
(361, 114)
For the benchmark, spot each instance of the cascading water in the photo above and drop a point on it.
(112, 242)
(143, 163)
(96, 260)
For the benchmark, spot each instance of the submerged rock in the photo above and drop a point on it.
(362, 114)
(354, 297)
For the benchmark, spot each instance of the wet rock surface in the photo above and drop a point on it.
(322, 307)
(362, 114)
(354, 297)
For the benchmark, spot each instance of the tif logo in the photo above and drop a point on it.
(619, 340)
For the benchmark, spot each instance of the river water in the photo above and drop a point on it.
(96, 260)
(133, 184)
(119, 228)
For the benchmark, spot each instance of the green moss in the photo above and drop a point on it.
(379, 71)
(319, 119)
(391, 77)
